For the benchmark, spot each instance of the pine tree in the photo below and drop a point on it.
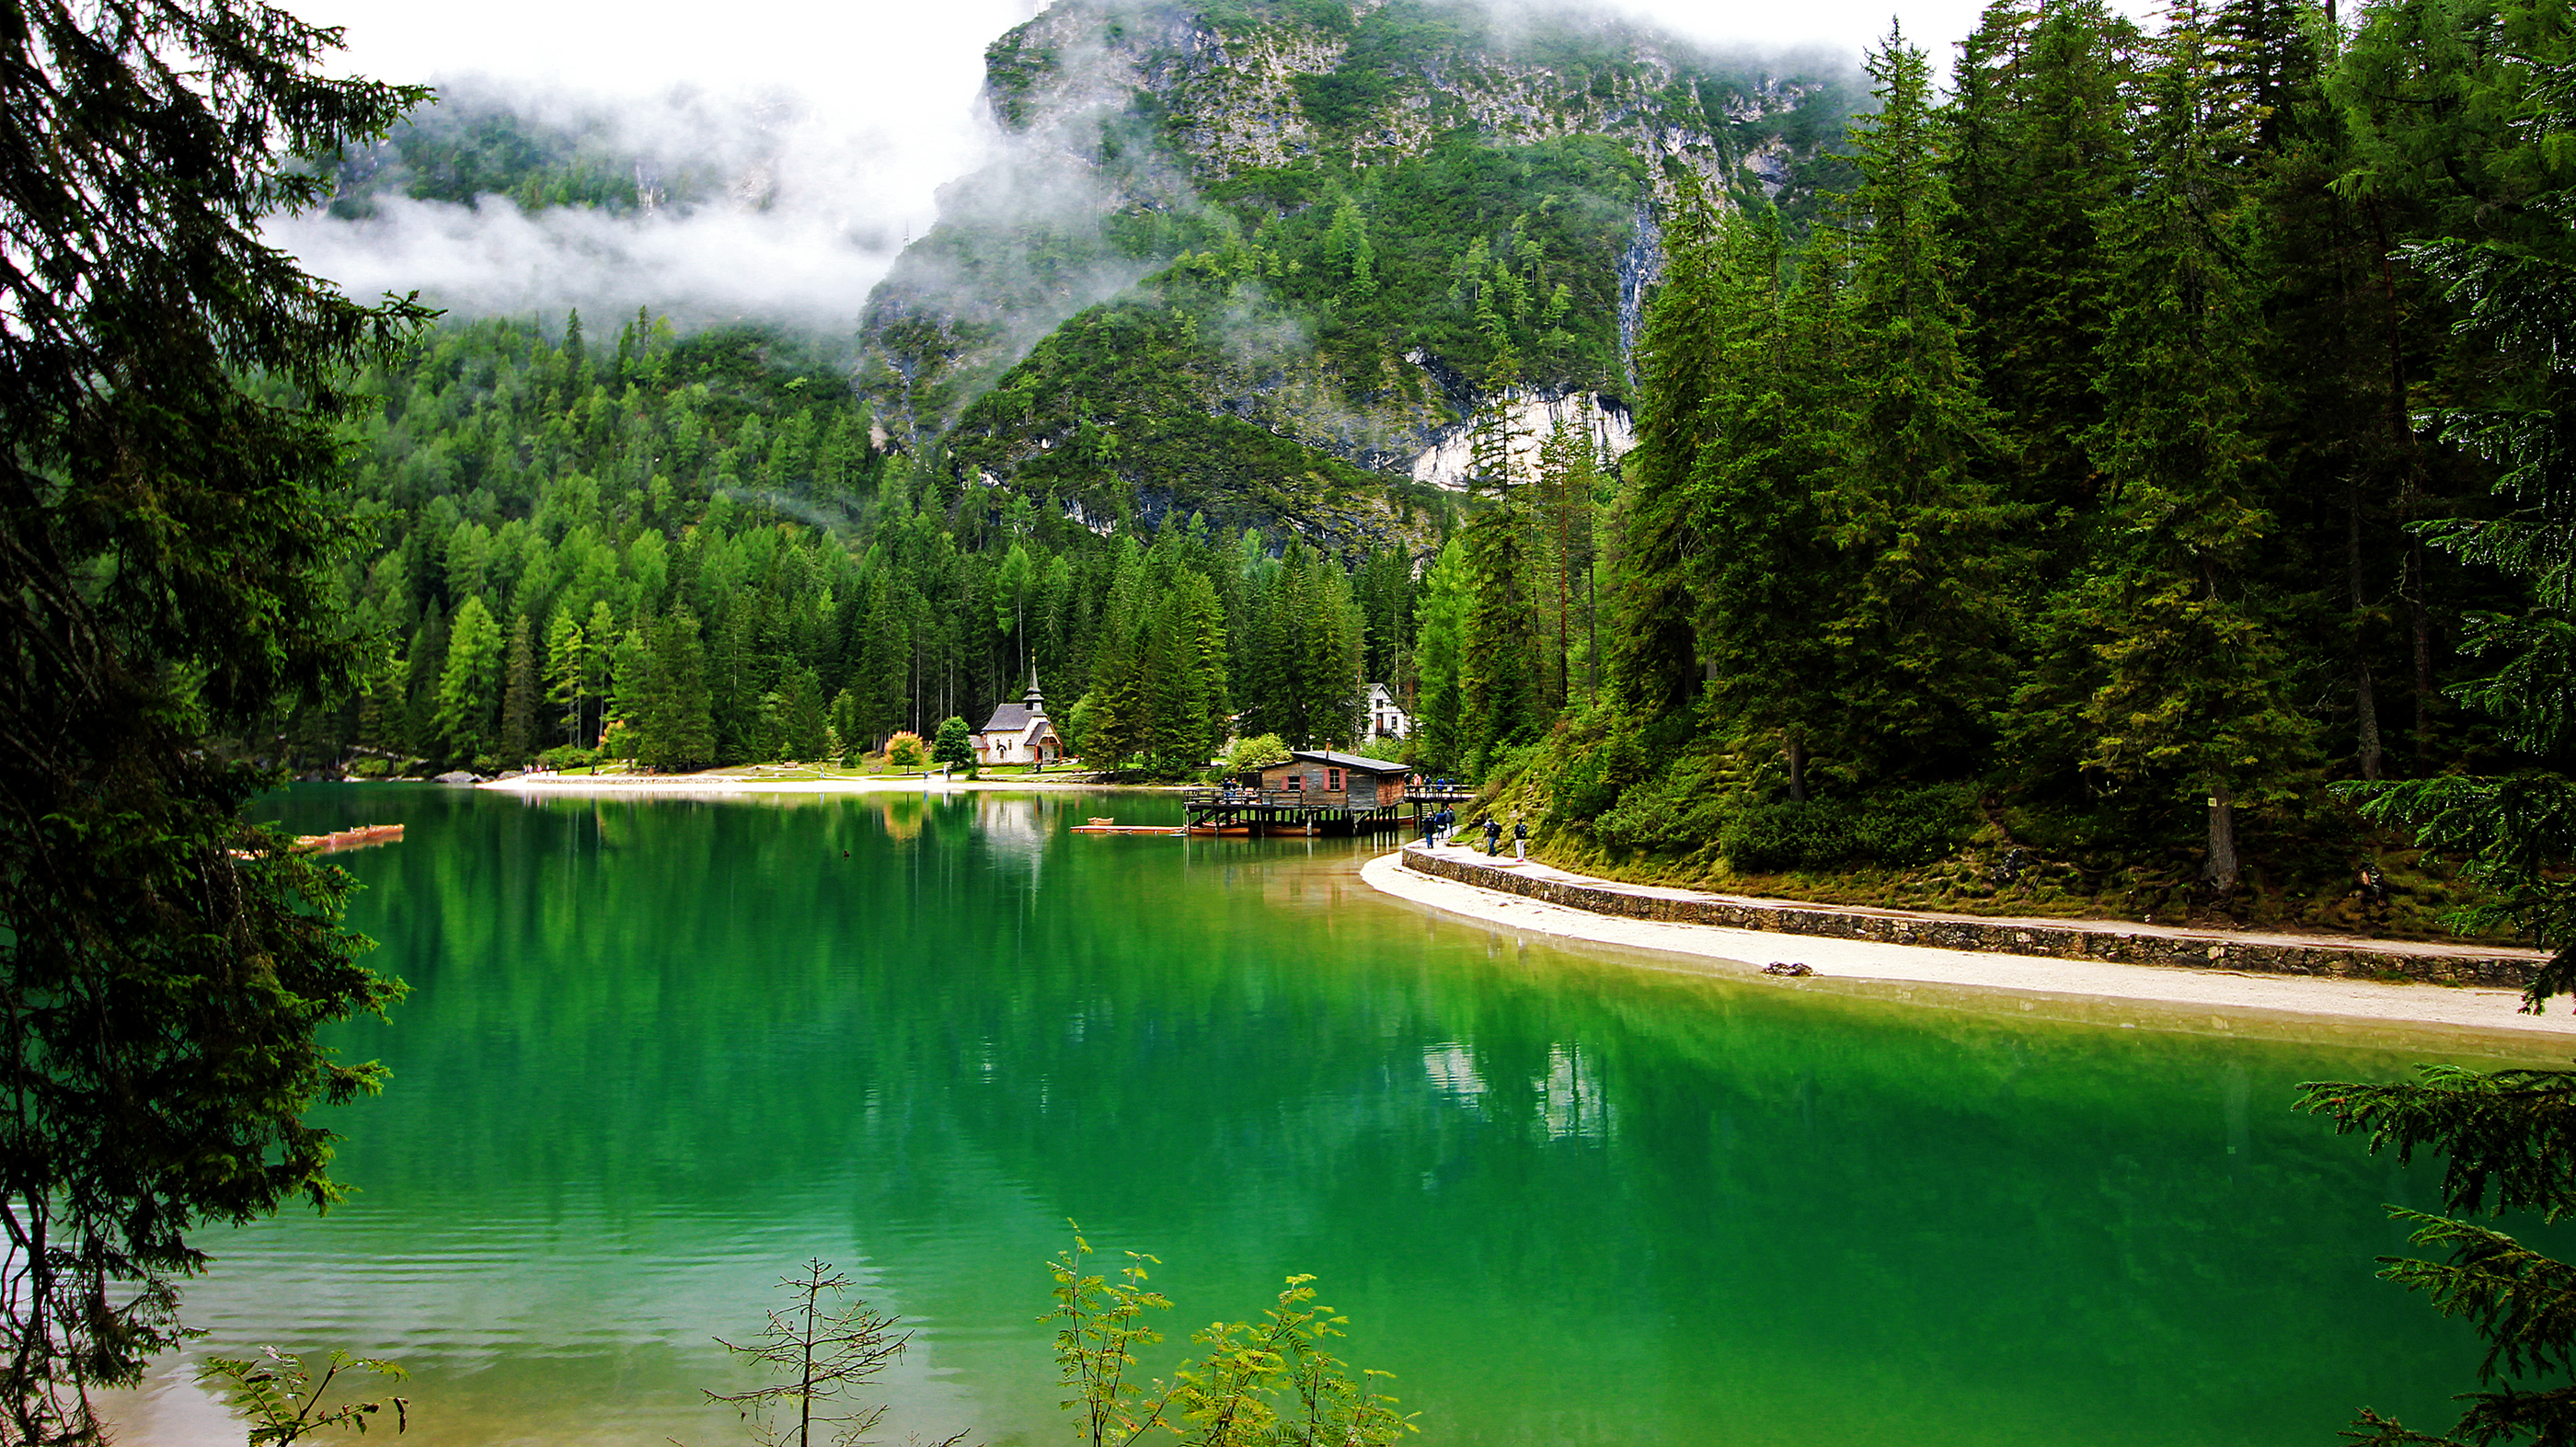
(2041, 146)
(1770, 580)
(1926, 622)
(1438, 649)
(2172, 679)
(567, 673)
(1500, 684)
(1654, 654)
(469, 683)
(1562, 503)
(803, 723)
(676, 715)
(519, 695)
(600, 637)
(176, 401)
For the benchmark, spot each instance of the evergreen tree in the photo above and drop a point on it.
(469, 684)
(803, 724)
(1562, 506)
(2043, 143)
(567, 673)
(676, 713)
(171, 389)
(1771, 580)
(1925, 624)
(1655, 655)
(2504, 1134)
(519, 695)
(2176, 681)
(600, 638)
(1438, 651)
(1500, 687)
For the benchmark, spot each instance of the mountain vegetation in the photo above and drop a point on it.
(685, 551)
(2051, 528)
(2028, 508)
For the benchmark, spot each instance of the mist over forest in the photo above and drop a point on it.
(1534, 364)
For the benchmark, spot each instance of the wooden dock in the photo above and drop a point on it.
(1250, 811)
(362, 837)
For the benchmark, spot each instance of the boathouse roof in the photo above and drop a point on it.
(1348, 761)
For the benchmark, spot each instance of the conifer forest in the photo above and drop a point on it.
(2086, 454)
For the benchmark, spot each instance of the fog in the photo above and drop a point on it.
(834, 127)
(841, 121)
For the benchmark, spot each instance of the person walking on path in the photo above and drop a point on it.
(1520, 841)
(1493, 836)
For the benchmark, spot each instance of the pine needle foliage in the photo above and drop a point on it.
(2509, 1136)
(170, 386)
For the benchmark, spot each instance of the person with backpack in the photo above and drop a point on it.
(1520, 841)
(1493, 836)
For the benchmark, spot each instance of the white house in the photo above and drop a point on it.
(1386, 718)
(1018, 733)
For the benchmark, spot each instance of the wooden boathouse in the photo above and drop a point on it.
(1314, 792)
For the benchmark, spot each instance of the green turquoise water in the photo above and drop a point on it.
(660, 1051)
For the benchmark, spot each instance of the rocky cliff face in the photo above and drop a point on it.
(1340, 224)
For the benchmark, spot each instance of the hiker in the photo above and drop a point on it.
(1493, 837)
(1448, 824)
(1430, 822)
(1520, 841)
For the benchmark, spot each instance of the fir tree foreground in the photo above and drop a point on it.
(163, 965)
(2508, 1137)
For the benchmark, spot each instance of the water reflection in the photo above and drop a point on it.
(661, 1050)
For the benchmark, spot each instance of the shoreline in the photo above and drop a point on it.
(2072, 987)
(751, 783)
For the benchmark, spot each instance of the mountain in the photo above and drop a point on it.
(1262, 260)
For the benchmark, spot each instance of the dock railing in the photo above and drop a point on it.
(1278, 799)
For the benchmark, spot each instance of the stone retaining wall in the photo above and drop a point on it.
(2018, 937)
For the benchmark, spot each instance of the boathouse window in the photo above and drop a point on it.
(1335, 779)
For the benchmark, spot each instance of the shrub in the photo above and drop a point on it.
(906, 754)
(1681, 810)
(1896, 827)
(1252, 753)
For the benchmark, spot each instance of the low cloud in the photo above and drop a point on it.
(828, 129)
(801, 210)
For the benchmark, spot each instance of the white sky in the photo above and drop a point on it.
(887, 92)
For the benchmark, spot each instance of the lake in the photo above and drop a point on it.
(660, 1051)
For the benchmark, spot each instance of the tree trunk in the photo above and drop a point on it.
(2365, 706)
(2423, 621)
(1592, 625)
(2221, 868)
(1797, 769)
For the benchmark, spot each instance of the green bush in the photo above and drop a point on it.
(1679, 811)
(1897, 828)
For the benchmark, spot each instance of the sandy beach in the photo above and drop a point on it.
(2229, 999)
